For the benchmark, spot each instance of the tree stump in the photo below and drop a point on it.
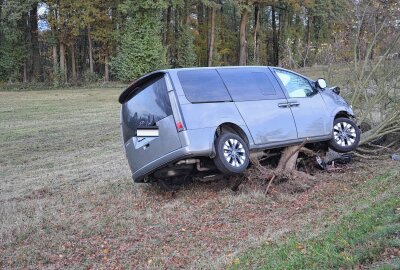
(286, 168)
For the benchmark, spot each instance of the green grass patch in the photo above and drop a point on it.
(358, 238)
(40, 86)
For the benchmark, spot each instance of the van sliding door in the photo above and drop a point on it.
(261, 103)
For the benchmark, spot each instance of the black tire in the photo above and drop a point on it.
(232, 154)
(345, 135)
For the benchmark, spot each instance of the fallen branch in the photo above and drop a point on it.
(269, 184)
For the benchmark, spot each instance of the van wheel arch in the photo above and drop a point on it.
(229, 128)
(343, 114)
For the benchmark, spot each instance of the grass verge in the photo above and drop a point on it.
(67, 200)
(360, 238)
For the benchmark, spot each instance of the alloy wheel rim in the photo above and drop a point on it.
(344, 134)
(234, 152)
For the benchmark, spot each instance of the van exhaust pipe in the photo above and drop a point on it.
(190, 161)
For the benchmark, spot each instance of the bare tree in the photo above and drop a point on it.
(375, 87)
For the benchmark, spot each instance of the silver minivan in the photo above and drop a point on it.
(180, 122)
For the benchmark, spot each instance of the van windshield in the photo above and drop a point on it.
(149, 105)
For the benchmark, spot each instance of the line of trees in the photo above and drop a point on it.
(75, 41)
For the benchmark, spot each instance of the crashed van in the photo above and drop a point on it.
(179, 122)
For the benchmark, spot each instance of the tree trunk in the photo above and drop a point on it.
(169, 27)
(63, 66)
(35, 44)
(1, 19)
(25, 74)
(73, 65)
(55, 59)
(308, 39)
(286, 168)
(275, 47)
(242, 38)
(25, 24)
(164, 22)
(53, 14)
(212, 37)
(267, 39)
(202, 58)
(287, 162)
(187, 12)
(170, 35)
(256, 27)
(176, 34)
(309, 22)
(200, 16)
(106, 69)
(91, 68)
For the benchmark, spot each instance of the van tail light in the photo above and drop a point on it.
(180, 126)
(179, 122)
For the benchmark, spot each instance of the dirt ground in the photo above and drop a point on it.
(67, 199)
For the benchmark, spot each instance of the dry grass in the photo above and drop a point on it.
(67, 200)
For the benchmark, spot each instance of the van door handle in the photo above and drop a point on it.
(294, 104)
(283, 105)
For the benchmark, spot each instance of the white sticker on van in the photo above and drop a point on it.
(147, 133)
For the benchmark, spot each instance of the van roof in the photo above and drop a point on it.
(217, 67)
(127, 93)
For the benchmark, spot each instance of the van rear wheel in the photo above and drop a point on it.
(232, 154)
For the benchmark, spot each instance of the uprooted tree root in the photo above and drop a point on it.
(286, 174)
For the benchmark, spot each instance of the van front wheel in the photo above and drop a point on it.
(346, 135)
(232, 154)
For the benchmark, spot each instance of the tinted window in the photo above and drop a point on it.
(295, 85)
(149, 105)
(203, 86)
(248, 84)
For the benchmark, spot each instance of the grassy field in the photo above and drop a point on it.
(67, 201)
(368, 235)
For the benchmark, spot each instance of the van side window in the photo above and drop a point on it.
(149, 105)
(203, 86)
(295, 85)
(248, 84)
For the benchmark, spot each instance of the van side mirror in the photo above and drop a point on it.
(320, 83)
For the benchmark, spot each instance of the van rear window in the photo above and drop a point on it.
(203, 86)
(148, 105)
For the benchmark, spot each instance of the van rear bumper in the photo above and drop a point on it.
(195, 143)
(138, 176)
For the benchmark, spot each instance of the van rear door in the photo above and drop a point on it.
(148, 125)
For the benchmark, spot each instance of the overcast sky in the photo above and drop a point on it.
(42, 23)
